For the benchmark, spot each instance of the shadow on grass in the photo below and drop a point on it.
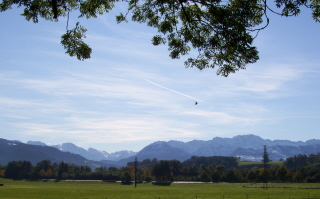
(162, 183)
(126, 183)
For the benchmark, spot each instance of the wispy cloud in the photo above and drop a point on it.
(47, 94)
(125, 88)
(111, 129)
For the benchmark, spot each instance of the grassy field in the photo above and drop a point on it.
(241, 163)
(99, 190)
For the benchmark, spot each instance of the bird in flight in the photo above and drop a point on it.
(196, 103)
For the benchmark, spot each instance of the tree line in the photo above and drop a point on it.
(300, 168)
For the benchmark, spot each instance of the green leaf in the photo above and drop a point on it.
(73, 42)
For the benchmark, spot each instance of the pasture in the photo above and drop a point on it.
(104, 190)
(245, 163)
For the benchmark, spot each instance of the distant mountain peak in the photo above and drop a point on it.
(38, 143)
(162, 151)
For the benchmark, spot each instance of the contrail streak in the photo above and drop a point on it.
(173, 91)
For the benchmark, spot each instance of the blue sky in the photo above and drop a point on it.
(106, 102)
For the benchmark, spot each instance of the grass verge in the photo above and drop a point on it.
(98, 190)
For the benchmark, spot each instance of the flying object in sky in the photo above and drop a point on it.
(174, 91)
(196, 103)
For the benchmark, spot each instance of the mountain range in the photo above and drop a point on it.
(16, 150)
(90, 154)
(246, 147)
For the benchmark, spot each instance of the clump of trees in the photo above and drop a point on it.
(301, 168)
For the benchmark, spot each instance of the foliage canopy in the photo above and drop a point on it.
(222, 31)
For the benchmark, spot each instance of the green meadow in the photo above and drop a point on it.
(244, 163)
(99, 190)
